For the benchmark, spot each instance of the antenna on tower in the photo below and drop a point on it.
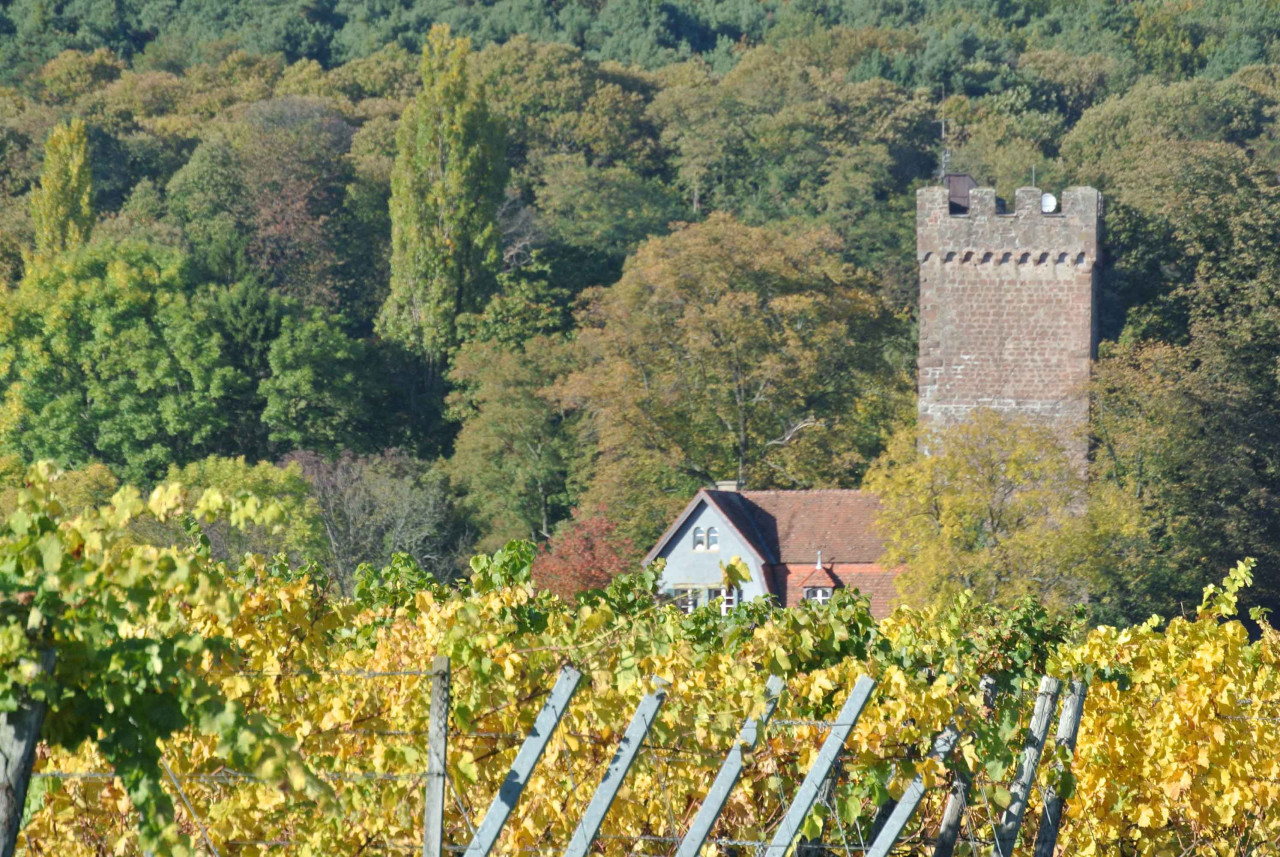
(944, 162)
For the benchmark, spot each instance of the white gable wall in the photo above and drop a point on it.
(689, 567)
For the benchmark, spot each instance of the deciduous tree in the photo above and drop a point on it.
(448, 178)
(585, 553)
(376, 506)
(996, 505)
(104, 357)
(516, 448)
(61, 207)
(733, 352)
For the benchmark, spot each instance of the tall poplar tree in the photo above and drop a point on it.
(449, 175)
(61, 212)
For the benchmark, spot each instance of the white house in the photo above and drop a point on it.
(797, 544)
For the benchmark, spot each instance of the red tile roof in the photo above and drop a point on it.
(789, 582)
(792, 526)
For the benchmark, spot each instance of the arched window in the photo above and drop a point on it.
(699, 539)
(713, 539)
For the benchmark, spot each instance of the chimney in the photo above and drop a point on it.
(818, 564)
(728, 485)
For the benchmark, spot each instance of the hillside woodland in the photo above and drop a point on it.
(439, 276)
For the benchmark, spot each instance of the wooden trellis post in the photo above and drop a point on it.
(19, 735)
(953, 815)
(1020, 789)
(831, 747)
(531, 750)
(728, 775)
(1068, 728)
(910, 800)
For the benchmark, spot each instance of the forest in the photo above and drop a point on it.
(438, 276)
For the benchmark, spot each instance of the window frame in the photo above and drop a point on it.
(685, 598)
(699, 539)
(712, 539)
(732, 598)
(819, 594)
(690, 596)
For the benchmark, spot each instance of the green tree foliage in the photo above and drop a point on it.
(517, 451)
(105, 357)
(517, 444)
(734, 352)
(61, 210)
(603, 211)
(448, 176)
(783, 136)
(554, 100)
(265, 197)
(248, 318)
(318, 396)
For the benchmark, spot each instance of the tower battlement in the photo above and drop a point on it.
(1073, 230)
(1008, 316)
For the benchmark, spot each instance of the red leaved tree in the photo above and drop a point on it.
(585, 553)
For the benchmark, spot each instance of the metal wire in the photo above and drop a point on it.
(229, 776)
(204, 833)
(310, 673)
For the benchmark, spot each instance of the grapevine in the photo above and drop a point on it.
(1177, 749)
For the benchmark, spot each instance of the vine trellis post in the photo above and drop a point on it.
(526, 760)
(437, 760)
(788, 830)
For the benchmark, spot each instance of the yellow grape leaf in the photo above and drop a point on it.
(467, 766)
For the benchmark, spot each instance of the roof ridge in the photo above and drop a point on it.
(804, 491)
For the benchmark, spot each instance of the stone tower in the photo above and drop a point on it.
(1008, 316)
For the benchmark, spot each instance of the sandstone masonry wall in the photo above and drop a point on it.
(1008, 316)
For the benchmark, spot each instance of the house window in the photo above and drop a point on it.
(690, 598)
(732, 598)
(699, 539)
(686, 598)
(820, 594)
(713, 539)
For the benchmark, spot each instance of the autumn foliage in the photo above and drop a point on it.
(585, 554)
(316, 708)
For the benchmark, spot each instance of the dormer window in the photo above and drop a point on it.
(713, 539)
(699, 539)
(820, 594)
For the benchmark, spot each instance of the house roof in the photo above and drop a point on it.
(732, 513)
(792, 526)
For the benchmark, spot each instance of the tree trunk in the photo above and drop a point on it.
(19, 735)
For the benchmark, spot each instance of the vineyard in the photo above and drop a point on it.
(305, 724)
